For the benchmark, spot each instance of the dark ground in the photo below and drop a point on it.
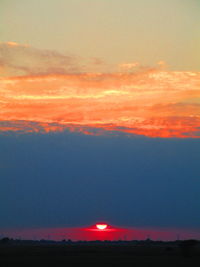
(99, 254)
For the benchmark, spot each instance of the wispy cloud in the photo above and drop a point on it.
(17, 59)
(54, 95)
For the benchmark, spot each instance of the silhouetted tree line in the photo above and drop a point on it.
(187, 247)
(5, 240)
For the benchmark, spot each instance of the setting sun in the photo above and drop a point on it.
(101, 226)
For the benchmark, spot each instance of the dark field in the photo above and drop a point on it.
(99, 254)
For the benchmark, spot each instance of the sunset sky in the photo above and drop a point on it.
(100, 113)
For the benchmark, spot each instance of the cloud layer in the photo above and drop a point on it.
(46, 91)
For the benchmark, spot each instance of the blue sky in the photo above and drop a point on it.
(67, 179)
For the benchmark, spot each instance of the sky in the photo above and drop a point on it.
(99, 116)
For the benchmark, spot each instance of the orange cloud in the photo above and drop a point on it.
(150, 102)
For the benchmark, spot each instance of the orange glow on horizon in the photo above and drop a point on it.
(77, 234)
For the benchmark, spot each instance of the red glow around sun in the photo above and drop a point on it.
(102, 226)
